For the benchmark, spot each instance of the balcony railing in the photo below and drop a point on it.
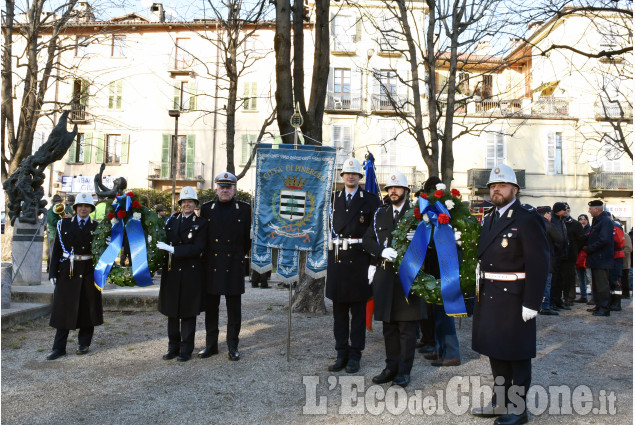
(603, 181)
(78, 112)
(477, 178)
(343, 101)
(193, 171)
(549, 105)
(498, 107)
(381, 102)
(612, 111)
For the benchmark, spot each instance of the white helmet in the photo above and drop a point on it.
(188, 192)
(502, 173)
(351, 165)
(84, 198)
(397, 179)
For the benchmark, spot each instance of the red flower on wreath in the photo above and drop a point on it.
(424, 195)
(418, 214)
(131, 194)
(111, 216)
(444, 218)
(136, 204)
(121, 214)
(439, 193)
(455, 193)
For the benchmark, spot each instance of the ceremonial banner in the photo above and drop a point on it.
(293, 195)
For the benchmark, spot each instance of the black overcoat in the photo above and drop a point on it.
(347, 279)
(228, 241)
(181, 292)
(390, 302)
(516, 243)
(76, 300)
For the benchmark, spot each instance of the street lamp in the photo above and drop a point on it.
(176, 113)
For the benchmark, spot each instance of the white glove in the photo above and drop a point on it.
(371, 273)
(165, 247)
(53, 281)
(529, 314)
(389, 254)
(410, 235)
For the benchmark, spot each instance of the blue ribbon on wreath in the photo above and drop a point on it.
(137, 242)
(446, 251)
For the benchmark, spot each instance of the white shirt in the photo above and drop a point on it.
(503, 210)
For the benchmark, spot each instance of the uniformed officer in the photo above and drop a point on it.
(347, 278)
(228, 241)
(181, 292)
(513, 257)
(76, 299)
(400, 314)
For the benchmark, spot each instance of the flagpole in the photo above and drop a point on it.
(296, 123)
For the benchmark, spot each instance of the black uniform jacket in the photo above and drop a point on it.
(347, 279)
(228, 241)
(76, 300)
(516, 243)
(181, 290)
(390, 302)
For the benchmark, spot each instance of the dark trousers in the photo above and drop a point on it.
(233, 303)
(355, 329)
(427, 327)
(625, 284)
(181, 335)
(84, 337)
(515, 373)
(557, 283)
(600, 288)
(400, 339)
(567, 273)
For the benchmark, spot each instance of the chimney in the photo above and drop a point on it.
(483, 48)
(157, 13)
(534, 26)
(85, 12)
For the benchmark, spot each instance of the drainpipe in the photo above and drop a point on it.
(215, 108)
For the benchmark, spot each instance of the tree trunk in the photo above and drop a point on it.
(309, 295)
(284, 91)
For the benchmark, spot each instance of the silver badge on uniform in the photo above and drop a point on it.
(189, 235)
(504, 243)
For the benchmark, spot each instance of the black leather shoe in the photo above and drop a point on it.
(581, 300)
(254, 284)
(170, 355)
(549, 312)
(401, 380)
(264, 285)
(427, 349)
(386, 375)
(82, 349)
(233, 354)
(352, 366)
(183, 357)
(339, 364)
(55, 354)
(511, 419)
(488, 411)
(564, 307)
(602, 313)
(592, 310)
(208, 352)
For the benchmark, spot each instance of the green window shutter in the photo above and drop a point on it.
(83, 97)
(125, 146)
(111, 95)
(189, 157)
(165, 157)
(192, 95)
(247, 100)
(177, 97)
(119, 87)
(254, 96)
(244, 149)
(88, 142)
(72, 152)
(99, 152)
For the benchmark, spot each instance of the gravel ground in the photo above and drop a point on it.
(123, 380)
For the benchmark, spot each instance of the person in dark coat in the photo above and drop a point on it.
(76, 298)
(599, 258)
(560, 274)
(228, 241)
(513, 255)
(577, 239)
(347, 272)
(181, 291)
(554, 238)
(400, 314)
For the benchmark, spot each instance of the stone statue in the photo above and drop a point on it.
(119, 185)
(24, 186)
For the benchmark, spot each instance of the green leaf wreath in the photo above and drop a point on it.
(153, 230)
(466, 230)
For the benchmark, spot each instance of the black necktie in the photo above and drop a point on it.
(495, 218)
(394, 218)
(349, 197)
(81, 223)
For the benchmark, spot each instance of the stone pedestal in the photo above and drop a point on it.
(27, 250)
(6, 285)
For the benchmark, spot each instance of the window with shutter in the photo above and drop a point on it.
(125, 148)
(495, 154)
(189, 157)
(247, 147)
(112, 149)
(554, 153)
(165, 156)
(115, 90)
(343, 142)
(88, 144)
(250, 96)
(99, 151)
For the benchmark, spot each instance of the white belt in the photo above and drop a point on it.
(78, 257)
(503, 276)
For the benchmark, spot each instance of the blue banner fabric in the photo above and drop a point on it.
(293, 195)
